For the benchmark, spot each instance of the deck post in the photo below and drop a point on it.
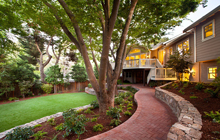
(132, 76)
(144, 77)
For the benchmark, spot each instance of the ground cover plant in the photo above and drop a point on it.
(202, 96)
(74, 124)
(18, 113)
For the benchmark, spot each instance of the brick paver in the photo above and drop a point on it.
(151, 121)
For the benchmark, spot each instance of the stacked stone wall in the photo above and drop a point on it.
(189, 123)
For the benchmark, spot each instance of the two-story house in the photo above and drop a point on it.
(202, 38)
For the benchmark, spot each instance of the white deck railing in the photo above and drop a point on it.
(140, 63)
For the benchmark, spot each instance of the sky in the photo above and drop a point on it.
(194, 16)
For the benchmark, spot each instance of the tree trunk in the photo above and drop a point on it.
(55, 88)
(42, 75)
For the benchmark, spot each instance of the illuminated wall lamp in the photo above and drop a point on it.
(193, 73)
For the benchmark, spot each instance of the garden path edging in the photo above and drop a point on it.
(189, 123)
(41, 120)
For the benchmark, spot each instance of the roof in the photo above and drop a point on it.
(154, 47)
(211, 13)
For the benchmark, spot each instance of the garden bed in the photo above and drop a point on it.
(196, 95)
(123, 104)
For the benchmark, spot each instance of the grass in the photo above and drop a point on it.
(18, 113)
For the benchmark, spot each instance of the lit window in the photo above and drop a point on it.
(208, 30)
(127, 58)
(137, 57)
(143, 56)
(212, 73)
(183, 46)
(135, 51)
(171, 51)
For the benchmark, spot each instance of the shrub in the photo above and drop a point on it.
(199, 86)
(166, 87)
(174, 84)
(93, 119)
(13, 98)
(39, 135)
(193, 97)
(130, 105)
(74, 123)
(98, 127)
(119, 82)
(113, 112)
(79, 73)
(115, 122)
(47, 88)
(127, 94)
(215, 116)
(19, 133)
(24, 87)
(213, 93)
(90, 85)
(185, 84)
(129, 108)
(38, 125)
(130, 98)
(52, 121)
(122, 95)
(79, 111)
(126, 102)
(118, 100)
(94, 104)
(88, 111)
(59, 127)
(127, 113)
(181, 91)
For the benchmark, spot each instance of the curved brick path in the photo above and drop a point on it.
(151, 121)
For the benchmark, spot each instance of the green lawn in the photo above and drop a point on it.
(18, 113)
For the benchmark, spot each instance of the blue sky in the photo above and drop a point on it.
(194, 16)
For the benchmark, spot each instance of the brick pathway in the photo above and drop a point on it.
(151, 121)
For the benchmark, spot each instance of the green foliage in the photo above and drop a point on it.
(13, 98)
(130, 105)
(113, 112)
(152, 84)
(74, 123)
(54, 76)
(129, 108)
(213, 93)
(39, 135)
(131, 89)
(24, 87)
(199, 86)
(52, 121)
(119, 82)
(59, 127)
(181, 91)
(185, 84)
(90, 85)
(79, 73)
(93, 119)
(166, 87)
(96, 72)
(123, 94)
(193, 97)
(179, 62)
(215, 116)
(79, 111)
(38, 125)
(127, 113)
(98, 127)
(47, 88)
(115, 122)
(216, 84)
(88, 111)
(94, 104)
(118, 100)
(130, 98)
(19, 133)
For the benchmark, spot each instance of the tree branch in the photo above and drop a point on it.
(47, 52)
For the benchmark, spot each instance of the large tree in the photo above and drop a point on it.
(148, 19)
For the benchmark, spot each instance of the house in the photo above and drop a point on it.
(202, 38)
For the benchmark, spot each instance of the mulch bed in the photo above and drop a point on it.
(102, 119)
(204, 103)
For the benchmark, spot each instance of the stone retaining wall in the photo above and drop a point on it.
(44, 119)
(189, 123)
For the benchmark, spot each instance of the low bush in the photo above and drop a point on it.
(199, 86)
(166, 87)
(88, 111)
(129, 108)
(47, 88)
(98, 127)
(185, 84)
(52, 121)
(127, 113)
(13, 98)
(38, 125)
(119, 82)
(115, 122)
(122, 95)
(95, 104)
(130, 98)
(119, 100)
(113, 112)
(90, 85)
(93, 119)
(39, 135)
(59, 127)
(20, 133)
(79, 111)
(130, 105)
(215, 116)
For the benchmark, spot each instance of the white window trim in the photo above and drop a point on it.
(213, 29)
(181, 42)
(208, 72)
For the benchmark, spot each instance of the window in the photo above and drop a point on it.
(128, 74)
(171, 51)
(212, 73)
(135, 51)
(208, 31)
(183, 46)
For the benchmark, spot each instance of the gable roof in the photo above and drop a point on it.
(211, 13)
